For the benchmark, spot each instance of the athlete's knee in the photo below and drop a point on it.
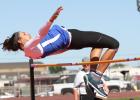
(115, 45)
(94, 59)
(94, 66)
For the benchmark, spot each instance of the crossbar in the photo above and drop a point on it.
(86, 63)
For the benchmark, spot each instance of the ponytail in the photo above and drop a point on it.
(11, 44)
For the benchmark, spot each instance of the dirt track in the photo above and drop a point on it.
(110, 97)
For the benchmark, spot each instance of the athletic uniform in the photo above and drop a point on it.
(59, 40)
(56, 41)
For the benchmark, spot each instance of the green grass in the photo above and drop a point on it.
(136, 98)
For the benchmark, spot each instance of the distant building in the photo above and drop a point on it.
(8, 70)
(17, 70)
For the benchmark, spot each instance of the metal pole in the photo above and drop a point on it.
(32, 85)
(138, 5)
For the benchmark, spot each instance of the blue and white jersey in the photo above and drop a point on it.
(56, 41)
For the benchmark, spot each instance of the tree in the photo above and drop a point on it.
(56, 69)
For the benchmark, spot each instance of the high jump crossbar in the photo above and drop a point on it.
(86, 63)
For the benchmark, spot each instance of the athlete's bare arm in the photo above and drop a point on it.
(44, 30)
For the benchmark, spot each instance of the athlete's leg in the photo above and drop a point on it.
(95, 40)
(95, 56)
(95, 77)
(108, 55)
(112, 45)
(83, 39)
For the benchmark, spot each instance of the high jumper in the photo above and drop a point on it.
(57, 39)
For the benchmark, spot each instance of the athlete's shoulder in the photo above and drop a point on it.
(55, 25)
(58, 26)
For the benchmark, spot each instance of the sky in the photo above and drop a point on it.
(117, 18)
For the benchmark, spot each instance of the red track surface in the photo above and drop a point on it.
(110, 97)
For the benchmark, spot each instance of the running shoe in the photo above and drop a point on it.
(96, 84)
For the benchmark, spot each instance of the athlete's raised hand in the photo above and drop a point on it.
(56, 13)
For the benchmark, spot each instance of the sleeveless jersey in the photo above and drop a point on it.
(56, 41)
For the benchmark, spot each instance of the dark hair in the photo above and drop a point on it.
(11, 44)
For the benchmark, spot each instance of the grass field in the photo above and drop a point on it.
(136, 98)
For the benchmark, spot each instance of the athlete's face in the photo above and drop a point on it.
(24, 37)
(86, 67)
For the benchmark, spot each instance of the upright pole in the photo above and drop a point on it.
(138, 5)
(32, 85)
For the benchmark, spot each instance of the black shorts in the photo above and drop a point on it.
(83, 39)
